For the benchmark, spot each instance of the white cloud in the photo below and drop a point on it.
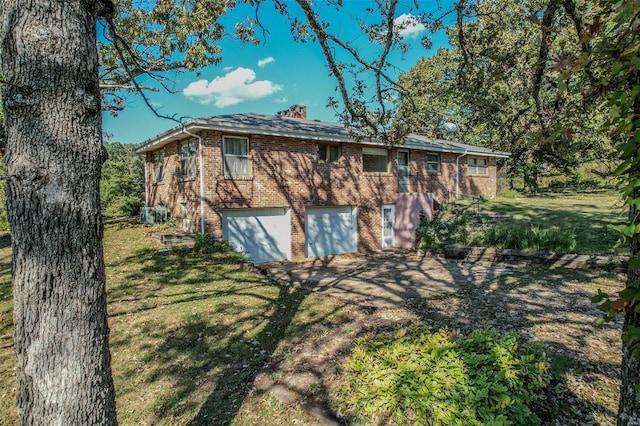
(236, 86)
(266, 61)
(281, 100)
(408, 26)
(227, 69)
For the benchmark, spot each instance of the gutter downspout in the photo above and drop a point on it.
(201, 172)
(146, 181)
(458, 173)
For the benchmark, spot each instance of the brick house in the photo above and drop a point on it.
(284, 187)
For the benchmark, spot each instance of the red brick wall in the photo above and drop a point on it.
(443, 183)
(287, 173)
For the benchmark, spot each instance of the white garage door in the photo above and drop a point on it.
(330, 230)
(263, 234)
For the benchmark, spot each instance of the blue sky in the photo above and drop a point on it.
(266, 78)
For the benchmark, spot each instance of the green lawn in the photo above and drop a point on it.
(589, 214)
(188, 332)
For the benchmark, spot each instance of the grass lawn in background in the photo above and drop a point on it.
(589, 214)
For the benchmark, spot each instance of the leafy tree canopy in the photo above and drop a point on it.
(509, 84)
(153, 38)
(122, 183)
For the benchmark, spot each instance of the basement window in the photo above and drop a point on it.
(235, 153)
(328, 153)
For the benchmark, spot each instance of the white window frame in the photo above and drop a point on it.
(476, 169)
(432, 163)
(227, 173)
(403, 189)
(188, 162)
(158, 166)
(377, 152)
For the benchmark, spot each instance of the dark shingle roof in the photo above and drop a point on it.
(273, 125)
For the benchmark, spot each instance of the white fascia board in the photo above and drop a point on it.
(171, 135)
(195, 125)
(456, 150)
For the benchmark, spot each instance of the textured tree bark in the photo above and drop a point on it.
(629, 408)
(54, 156)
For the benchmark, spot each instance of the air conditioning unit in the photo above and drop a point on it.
(161, 214)
(147, 216)
(153, 215)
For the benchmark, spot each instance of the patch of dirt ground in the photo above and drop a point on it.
(545, 304)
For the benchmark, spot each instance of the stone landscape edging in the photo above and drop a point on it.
(491, 254)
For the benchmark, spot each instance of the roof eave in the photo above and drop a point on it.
(170, 135)
(175, 133)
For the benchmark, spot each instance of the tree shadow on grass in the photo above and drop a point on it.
(236, 380)
(237, 320)
(549, 306)
(208, 327)
(546, 305)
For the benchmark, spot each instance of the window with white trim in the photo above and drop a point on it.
(477, 166)
(188, 159)
(433, 163)
(235, 155)
(158, 166)
(375, 160)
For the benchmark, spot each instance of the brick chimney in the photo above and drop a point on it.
(294, 111)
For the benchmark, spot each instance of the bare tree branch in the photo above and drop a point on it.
(115, 86)
(117, 41)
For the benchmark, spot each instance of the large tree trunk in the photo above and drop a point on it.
(629, 408)
(54, 155)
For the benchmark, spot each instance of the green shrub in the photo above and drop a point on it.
(207, 244)
(414, 376)
(124, 205)
(446, 227)
(532, 237)
(509, 193)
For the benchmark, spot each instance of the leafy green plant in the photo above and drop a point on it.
(207, 244)
(415, 376)
(124, 205)
(446, 227)
(171, 222)
(531, 237)
(509, 193)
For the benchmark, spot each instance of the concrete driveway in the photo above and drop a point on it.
(386, 279)
(547, 305)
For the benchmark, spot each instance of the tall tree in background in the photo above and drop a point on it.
(122, 182)
(508, 83)
(615, 31)
(51, 104)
